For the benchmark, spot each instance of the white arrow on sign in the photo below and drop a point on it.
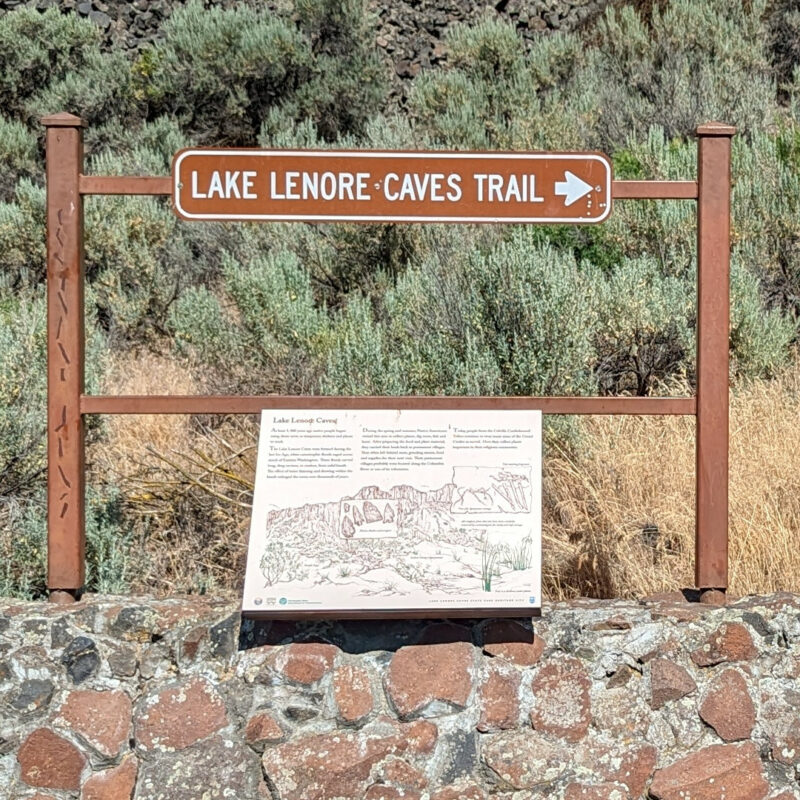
(573, 188)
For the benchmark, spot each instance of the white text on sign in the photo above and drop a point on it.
(435, 187)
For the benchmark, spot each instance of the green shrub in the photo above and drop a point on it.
(203, 331)
(495, 95)
(37, 50)
(358, 362)
(267, 337)
(760, 337)
(18, 156)
(219, 71)
(23, 545)
(348, 83)
(513, 320)
(222, 73)
(140, 258)
(149, 152)
(672, 68)
(683, 64)
(23, 387)
(98, 89)
(766, 213)
(23, 376)
(109, 542)
(644, 336)
(22, 238)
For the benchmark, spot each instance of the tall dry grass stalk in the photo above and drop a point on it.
(187, 484)
(128, 439)
(619, 517)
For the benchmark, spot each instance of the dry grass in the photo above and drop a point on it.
(187, 483)
(128, 438)
(619, 519)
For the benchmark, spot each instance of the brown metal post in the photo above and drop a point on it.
(713, 325)
(65, 348)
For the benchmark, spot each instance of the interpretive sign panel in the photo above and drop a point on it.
(367, 186)
(391, 512)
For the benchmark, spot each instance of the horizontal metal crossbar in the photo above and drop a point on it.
(252, 404)
(138, 185)
(112, 184)
(654, 190)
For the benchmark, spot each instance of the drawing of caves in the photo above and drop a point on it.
(404, 543)
(368, 518)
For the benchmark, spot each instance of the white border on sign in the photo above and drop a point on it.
(356, 606)
(379, 217)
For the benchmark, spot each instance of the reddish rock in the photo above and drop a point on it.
(499, 698)
(191, 642)
(512, 642)
(561, 700)
(465, 790)
(330, 764)
(625, 763)
(112, 784)
(262, 729)
(399, 773)
(48, 761)
(307, 662)
(177, 718)
(668, 681)
(596, 791)
(421, 674)
(421, 736)
(732, 771)
(785, 745)
(670, 648)
(353, 692)
(635, 768)
(621, 677)
(101, 719)
(730, 642)
(380, 792)
(727, 707)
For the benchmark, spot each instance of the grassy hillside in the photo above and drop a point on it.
(183, 307)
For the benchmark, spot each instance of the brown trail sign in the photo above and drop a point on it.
(562, 195)
(365, 186)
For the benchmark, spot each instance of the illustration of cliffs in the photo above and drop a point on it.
(403, 541)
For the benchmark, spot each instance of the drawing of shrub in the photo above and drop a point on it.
(410, 571)
(489, 562)
(521, 555)
(277, 559)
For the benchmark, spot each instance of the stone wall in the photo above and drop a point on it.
(175, 699)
